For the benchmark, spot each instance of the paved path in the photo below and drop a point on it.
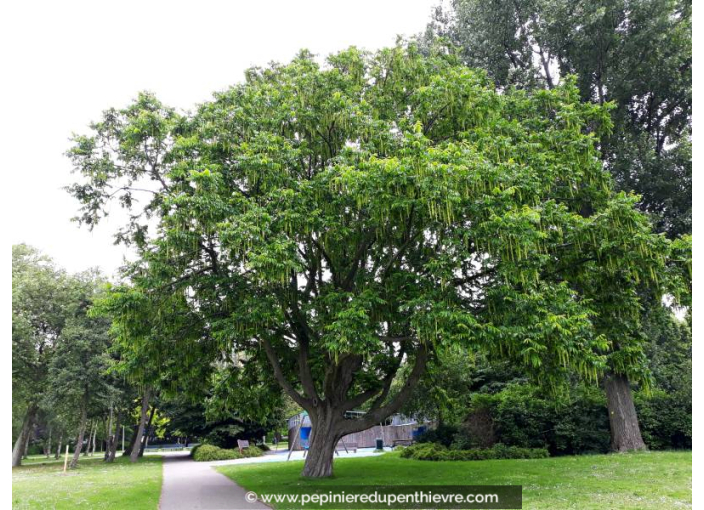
(190, 485)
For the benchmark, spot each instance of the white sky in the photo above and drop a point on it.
(65, 62)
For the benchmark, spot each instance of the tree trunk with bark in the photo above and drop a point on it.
(111, 448)
(328, 416)
(325, 434)
(86, 452)
(81, 433)
(47, 445)
(133, 440)
(134, 454)
(25, 451)
(20, 444)
(58, 446)
(147, 431)
(95, 433)
(623, 420)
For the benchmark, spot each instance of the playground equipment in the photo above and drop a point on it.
(302, 435)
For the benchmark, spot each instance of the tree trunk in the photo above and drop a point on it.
(58, 446)
(147, 431)
(95, 433)
(133, 440)
(81, 433)
(111, 448)
(27, 423)
(90, 436)
(321, 449)
(25, 450)
(134, 454)
(623, 420)
(109, 438)
(47, 445)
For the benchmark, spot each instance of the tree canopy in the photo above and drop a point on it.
(340, 220)
(634, 53)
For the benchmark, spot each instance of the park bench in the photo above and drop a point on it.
(242, 444)
(351, 447)
(401, 442)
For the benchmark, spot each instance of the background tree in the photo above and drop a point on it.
(633, 53)
(77, 373)
(342, 221)
(42, 301)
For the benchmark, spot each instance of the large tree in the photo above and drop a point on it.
(43, 299)
(78, 376)
(635, 54)
(340, 221)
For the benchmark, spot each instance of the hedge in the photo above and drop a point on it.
(439, 452)
(207, 453)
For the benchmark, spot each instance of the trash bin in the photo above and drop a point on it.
(379, 443)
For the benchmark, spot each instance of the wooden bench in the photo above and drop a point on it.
(401, 442)
(242, 444)
(351, 447)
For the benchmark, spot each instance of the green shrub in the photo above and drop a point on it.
(253, 451)
(526, 416)
(208, 452)
(665, 419)
(439, 452)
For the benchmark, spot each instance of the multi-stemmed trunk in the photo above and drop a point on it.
(147, 431)
(81, 433)
(136, 447)
(111, 448)
(18, 449)
(328, 415)
(623, 420)
(133, 439)
(325, 434)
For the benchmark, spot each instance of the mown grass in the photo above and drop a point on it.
(94, 484)
(649, 480)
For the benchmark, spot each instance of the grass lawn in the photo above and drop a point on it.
(93, 485)
(647, 480)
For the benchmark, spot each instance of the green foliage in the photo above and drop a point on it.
(634, 53)
(435, 451)
(338, 220)
(442, 434)
(567, 423)
(665, 419)
(207, 453)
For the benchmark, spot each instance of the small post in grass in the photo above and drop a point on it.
(66, 459)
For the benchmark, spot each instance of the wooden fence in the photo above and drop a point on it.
(367, 438)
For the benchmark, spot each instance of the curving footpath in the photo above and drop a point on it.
(190, 485)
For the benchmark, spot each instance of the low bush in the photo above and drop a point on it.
(207, 453)
(439, 452)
